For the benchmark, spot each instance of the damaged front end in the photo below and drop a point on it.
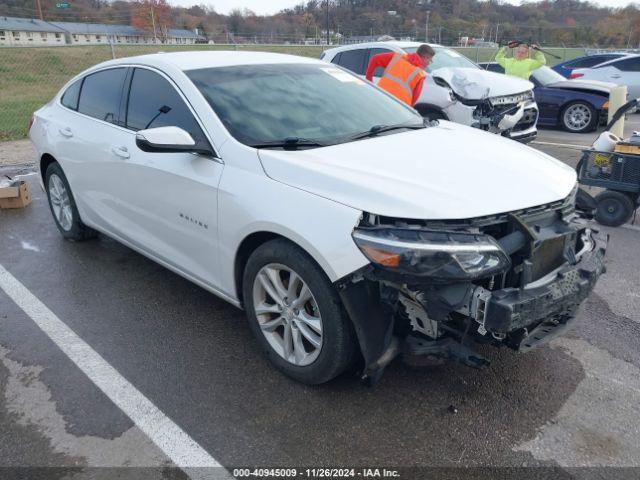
(439, 288)
(512, 115)
(505, 115)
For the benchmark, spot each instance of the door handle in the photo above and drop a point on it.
(615, 75)
(122, 152)
(66, 132)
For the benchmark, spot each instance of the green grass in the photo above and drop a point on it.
(30, 77)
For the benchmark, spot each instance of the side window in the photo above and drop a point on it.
(336, 59)
(154, 102)
(353, 60)
(71, 95)
(100, 94)
(628, 64)
(375, 51)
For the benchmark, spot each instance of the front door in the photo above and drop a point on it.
(166, 203)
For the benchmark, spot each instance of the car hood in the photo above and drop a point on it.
(446, 172)
(588, 85)
(476, 83)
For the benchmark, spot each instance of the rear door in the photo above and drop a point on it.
(87, 127)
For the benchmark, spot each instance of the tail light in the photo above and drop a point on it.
(31, 120)
(575, 75)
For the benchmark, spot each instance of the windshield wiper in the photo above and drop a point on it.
(377, 129)
(290, 143)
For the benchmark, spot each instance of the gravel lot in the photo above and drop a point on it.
(567, 410)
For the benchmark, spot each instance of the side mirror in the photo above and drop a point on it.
(170, 140)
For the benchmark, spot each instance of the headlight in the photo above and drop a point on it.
(433, 254)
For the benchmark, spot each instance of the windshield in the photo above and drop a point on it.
(262, 104)
(547, 76)
(445, 57)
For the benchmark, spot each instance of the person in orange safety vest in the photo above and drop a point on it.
(403, 74)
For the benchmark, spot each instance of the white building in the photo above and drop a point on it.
(27, 32)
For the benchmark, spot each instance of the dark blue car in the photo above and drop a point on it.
(578, 106)
(587, 61)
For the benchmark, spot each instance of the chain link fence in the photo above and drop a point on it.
(31, 76)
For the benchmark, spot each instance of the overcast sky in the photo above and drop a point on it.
(265, 7)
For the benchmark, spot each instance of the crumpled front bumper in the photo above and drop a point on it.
(548, 306)
(512, 308)
(521, 318)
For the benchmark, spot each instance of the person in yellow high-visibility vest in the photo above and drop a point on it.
(521, 65)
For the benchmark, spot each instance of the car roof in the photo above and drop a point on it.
(609, 62)
(209, 59)
(401, 44)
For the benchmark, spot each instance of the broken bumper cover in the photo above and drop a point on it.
(521, 318)
(541, 311)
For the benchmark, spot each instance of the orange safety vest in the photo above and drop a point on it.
(401, 77)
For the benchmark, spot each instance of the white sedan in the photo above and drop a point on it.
(621, 71)
(346, 227)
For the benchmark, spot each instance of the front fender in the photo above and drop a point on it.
(319, 226)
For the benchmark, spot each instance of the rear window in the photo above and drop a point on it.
(100, 94)
(70, 96)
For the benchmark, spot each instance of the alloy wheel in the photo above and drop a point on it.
(288, 314)
(60, 202)
(577, 117)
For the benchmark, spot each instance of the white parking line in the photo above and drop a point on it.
(184, 451)
(565, 145)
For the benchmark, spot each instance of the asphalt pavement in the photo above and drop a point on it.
(113, 367)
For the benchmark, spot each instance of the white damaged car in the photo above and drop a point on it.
(350, 230)
(456, 89)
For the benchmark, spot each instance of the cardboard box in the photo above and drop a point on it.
(629, 148)
(14, 196)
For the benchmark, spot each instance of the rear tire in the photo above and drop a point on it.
(63, 206)
(614, 208)
(320, 343)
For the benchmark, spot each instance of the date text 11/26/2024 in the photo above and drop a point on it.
(312, 473)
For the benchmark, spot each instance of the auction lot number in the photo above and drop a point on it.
(312, 473)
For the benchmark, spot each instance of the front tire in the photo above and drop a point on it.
(63, 206)
(296, 314)
(614, 208)
(579, 117)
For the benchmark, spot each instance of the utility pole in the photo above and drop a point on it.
(497, 27)
(39, 7)
(327, 22)
(426, 27)
(153, 22)
(439, 35)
